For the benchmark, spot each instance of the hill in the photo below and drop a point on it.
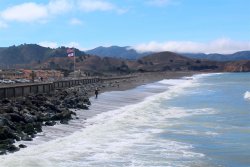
(164, 61)
(36, 57)
(169, 61)
(237, 66)
(87, 63)
(243, 55)
(117, 52)
(28, 53)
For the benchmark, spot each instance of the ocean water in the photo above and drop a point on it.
(198, 121)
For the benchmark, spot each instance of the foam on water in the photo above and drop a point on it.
(127, 136)
(247, 95)
(198, 76)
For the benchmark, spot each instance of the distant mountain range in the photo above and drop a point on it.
(131, 54)
(119, 59)
(243, 55)
(118, 52)
(28, 53)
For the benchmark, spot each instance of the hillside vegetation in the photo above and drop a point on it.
(36, 57)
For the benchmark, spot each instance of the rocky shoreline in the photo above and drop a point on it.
(22, 118)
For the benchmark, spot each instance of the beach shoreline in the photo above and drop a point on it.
(138, 80)
(65, 102)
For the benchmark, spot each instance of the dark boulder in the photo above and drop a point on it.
(50, 123)
(16, 117)
(7, 133)
(29, 129)
(7, 141)
(2, 151)
(12, 148)
(22, 146)
(65, 114)
(64, 121)
(26, 138)
(82, 106)
(5, 101)
(29, 118)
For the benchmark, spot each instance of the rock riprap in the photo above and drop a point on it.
(22, 118)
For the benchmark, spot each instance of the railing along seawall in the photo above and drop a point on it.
(12, 91)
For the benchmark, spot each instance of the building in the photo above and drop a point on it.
(11, 74)
(46, 75)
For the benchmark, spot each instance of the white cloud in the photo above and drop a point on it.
(54, 45)
(60, 6)
(98, 5)
(75, 45)
(26, 12)
(48, 44)
(223, 45)
(37, 12)
(95, 5)
(75, 21)
(159, 2)
(3, 25)
(30, 12)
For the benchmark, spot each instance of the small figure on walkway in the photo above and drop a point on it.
(96, 92)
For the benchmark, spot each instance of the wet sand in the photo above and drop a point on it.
(139, 79)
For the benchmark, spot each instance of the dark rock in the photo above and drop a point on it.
(16, 117)
(26, 138)
(5, 101)
(3, 121)
(7, 147)
(29, 129)
(2, 152)
(50, 123)
(65, 114)
(7, 141)
(64, 121)
(42, 108)
(22, 118)
(7, 109)
(22, 146)
(38, 126)
(82, 106)
(12, 148)
(49, 105)
(29, 118)
(15, 109)
(25, 111)
(7, 133)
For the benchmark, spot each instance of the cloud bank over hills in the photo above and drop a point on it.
(223, 46)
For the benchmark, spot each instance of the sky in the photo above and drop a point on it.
(209, 26)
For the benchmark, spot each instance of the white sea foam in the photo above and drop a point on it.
(205, 75)
(127, 136)
(247, 95)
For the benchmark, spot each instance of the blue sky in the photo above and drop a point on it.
(156, 25)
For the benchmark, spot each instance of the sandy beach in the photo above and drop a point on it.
(24, 117)
(137, 80)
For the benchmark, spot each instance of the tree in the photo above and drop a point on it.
(33, 76)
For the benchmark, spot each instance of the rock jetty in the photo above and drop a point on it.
(22, 118)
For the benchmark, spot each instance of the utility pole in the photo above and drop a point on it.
(74, 63)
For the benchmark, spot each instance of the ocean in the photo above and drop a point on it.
(198, 121)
